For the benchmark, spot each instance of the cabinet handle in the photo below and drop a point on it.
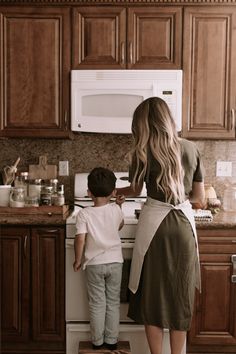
(131, 52)
(232, 118)
(25, 245)
(233, 260)
(122, 52)
(65, 119)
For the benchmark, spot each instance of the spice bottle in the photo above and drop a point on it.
(46, 195)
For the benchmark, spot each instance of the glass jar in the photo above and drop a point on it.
(58, 197)
(54, 184)
(34, 189)
(46, 195)
(31, 202)
(17, 197)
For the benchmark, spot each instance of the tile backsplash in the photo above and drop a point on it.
(87, 151)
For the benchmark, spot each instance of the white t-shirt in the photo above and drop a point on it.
(101, 224)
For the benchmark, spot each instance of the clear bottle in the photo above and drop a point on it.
(22, 181)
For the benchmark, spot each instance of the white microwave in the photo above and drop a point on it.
(103, 101)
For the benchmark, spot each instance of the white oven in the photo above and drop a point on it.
(77, 318)
(77, 304)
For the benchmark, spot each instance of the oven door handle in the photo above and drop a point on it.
(127, 244)
(70, 244)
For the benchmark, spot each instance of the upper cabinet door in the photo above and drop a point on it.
(209, 97)
(35, 64)
(148, 37)
(154, 37)
(99, 35)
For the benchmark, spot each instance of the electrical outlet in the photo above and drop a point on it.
(224, 169)
(63, 168)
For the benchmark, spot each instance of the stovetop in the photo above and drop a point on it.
(128, 208)
(82, 200)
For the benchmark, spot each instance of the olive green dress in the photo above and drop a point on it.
(165, 295)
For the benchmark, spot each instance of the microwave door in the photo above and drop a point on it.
(106, 111)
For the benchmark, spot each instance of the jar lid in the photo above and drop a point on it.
(35, 181)
(47, 189)
(18, 189)
(24, 174)
(54, 180)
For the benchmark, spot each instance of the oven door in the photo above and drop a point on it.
(76, 294)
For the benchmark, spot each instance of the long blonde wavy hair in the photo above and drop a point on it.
(154, 130)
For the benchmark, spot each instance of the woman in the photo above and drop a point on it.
(165, 264)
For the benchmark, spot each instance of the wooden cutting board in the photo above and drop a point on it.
(42, 170)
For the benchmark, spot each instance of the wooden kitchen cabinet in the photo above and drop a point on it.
(35, 67)
(32, 289)
(213, 328)
(209, 63)
(15, 284)
(148, 37)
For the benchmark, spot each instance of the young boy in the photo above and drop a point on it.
(97, 241)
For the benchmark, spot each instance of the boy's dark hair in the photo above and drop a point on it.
(101, 182)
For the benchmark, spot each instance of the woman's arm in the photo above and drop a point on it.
(129, 191)
(197, 195)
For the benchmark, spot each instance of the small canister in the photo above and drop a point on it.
(35, 188)
(46, 195)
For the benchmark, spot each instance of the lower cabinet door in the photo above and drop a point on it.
(214, 322)
(14, 286)
(48, 286)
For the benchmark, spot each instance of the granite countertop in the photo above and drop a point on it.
(225, 220)
(53, 217)
(220, 220)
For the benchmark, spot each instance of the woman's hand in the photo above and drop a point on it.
(120, 199)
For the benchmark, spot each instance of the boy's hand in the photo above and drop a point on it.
(120, 199)
(76, 266)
